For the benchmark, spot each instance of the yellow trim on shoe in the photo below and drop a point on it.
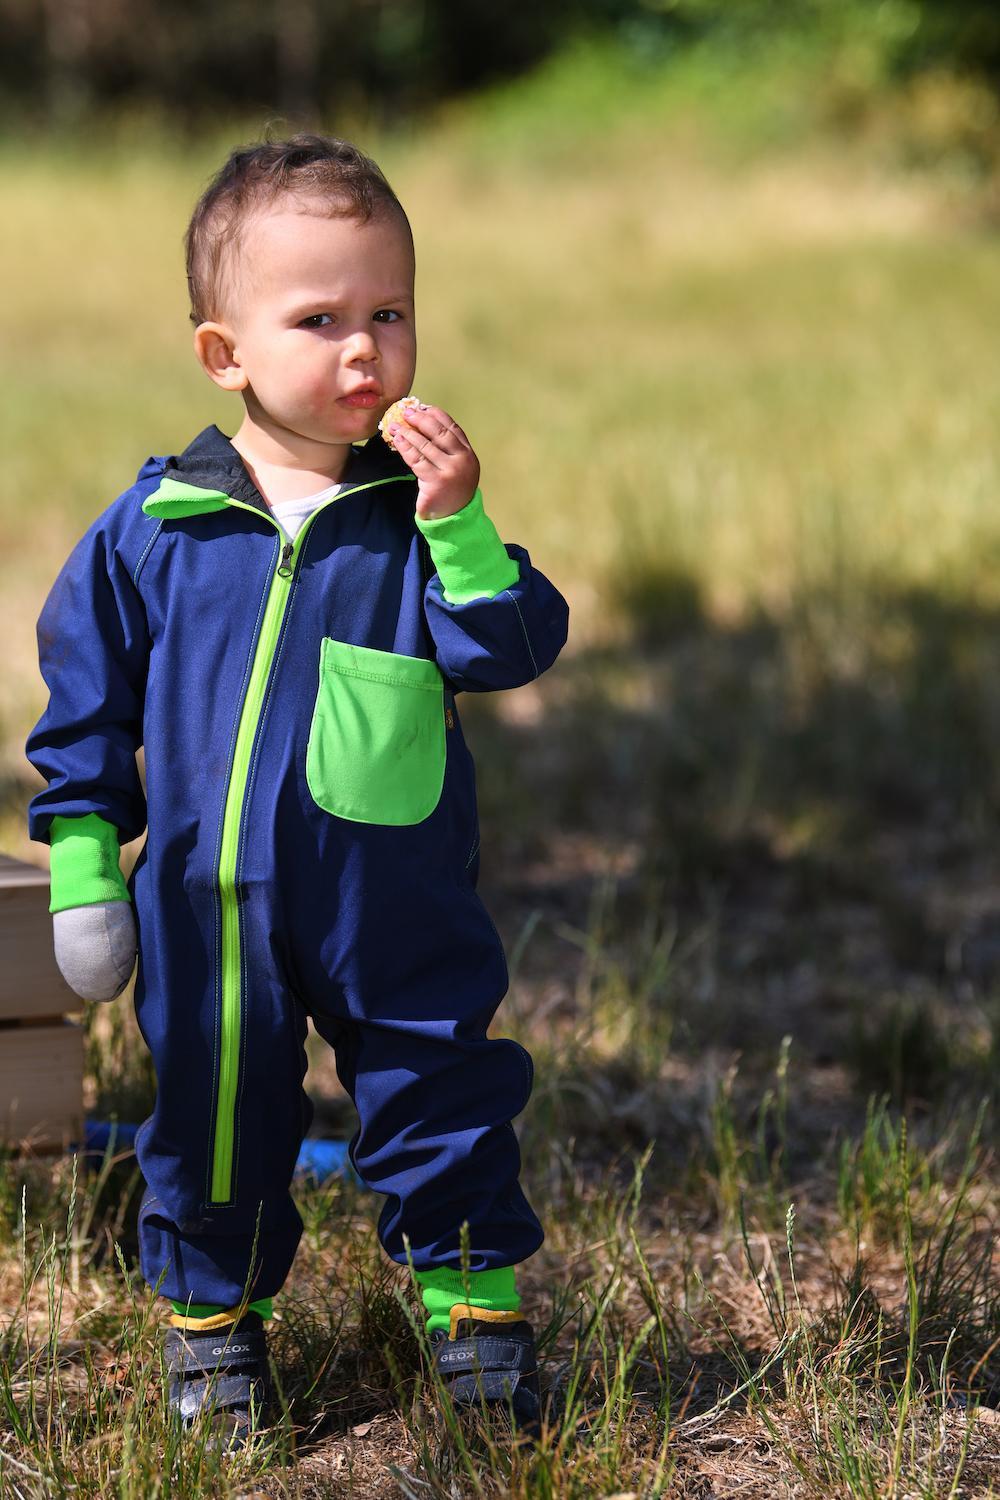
(483, 1314)
(199, 1325)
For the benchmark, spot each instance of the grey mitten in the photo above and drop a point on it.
(95, 948)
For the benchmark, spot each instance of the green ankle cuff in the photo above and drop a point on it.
(264, 1306)
(494, 1291)
(83, 863)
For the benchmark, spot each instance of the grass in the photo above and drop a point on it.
(740, 405)
(859, 1335)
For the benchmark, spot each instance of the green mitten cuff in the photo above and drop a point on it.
(471, 560)
(83, 866)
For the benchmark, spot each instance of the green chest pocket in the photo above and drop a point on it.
(376, 751)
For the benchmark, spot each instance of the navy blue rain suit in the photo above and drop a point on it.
(312, 849)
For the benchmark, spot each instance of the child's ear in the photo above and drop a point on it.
(214, 346)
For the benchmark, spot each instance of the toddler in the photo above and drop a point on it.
(283, 619)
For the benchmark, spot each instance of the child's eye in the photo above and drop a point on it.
(386, 315)
(315, 320)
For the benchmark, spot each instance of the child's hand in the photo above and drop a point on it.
(441, 456)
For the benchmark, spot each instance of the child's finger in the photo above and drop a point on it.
(413, 452)
(436, 424)
(447, 422)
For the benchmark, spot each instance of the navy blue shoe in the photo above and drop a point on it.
(222, 1372)
(487, 1363)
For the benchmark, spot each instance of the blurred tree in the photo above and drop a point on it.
(66, 40)
(962, 33)
(311, 58)
(297, 34)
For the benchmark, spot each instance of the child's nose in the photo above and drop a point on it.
(363, 345)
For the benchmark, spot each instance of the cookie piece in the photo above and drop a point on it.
(397, 413)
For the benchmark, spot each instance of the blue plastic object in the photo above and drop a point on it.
(318, 1159)
(323, 1159)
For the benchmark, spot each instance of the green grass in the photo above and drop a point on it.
(740, 404)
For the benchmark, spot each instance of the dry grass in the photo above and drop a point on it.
(681, 1354)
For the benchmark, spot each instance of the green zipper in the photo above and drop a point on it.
(230, 1023)
(231, 1027)
(174, 499)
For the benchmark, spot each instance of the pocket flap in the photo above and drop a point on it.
(381, 666)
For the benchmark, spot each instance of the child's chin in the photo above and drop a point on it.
(362, 423)
(351, 432)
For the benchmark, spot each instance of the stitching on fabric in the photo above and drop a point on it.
(313, 721)
(472, 856)
(523, 629)
(272, 678)
(244, 1028)
(218, 903)
(145, 553)
(182, 500)
(427, 687)
(247, 796)
(392, 680)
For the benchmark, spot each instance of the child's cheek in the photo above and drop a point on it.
(322, 394)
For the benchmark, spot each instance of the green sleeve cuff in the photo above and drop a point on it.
(471, 560)
(83, 867)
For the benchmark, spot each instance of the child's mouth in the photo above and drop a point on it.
(363, 400)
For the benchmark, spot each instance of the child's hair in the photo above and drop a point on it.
(254, 176)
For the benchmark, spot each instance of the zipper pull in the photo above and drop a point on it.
(284, 571)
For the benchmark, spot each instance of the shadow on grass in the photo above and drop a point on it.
(744, 833)
(734, 751)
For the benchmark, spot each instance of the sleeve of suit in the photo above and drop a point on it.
(93, 651)
(497, 622)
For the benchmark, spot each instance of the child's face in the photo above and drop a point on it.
(322, 323)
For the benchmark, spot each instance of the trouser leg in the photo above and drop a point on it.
(215, 1268)
(203, 1235)
(435, 1102)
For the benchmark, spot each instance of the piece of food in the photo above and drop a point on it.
(397, 413)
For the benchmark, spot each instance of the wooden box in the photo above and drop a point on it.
(41, 1053)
